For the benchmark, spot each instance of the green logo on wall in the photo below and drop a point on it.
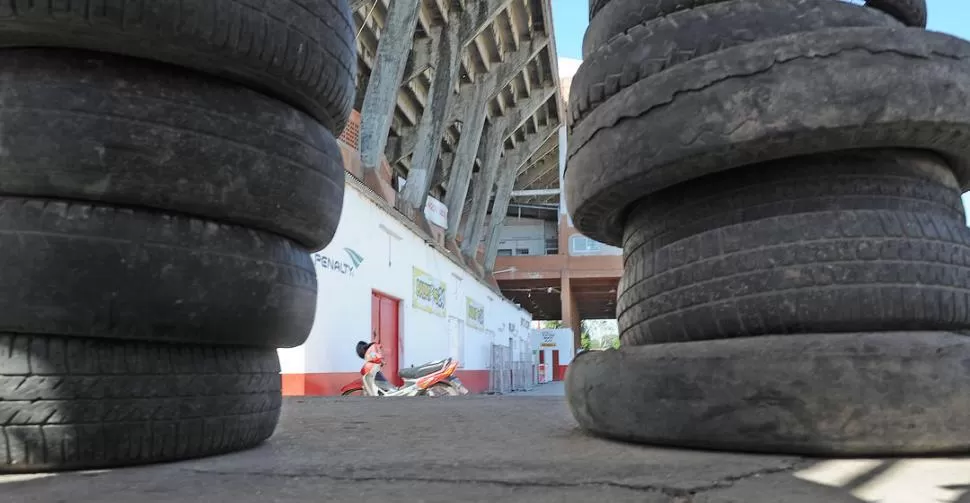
(354, 257)
(340, 266)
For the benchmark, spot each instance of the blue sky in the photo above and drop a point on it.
(570, 18)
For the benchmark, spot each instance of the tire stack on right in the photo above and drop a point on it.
(784, 177)
(166, 168)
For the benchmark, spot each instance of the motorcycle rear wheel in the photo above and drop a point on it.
(442, 389)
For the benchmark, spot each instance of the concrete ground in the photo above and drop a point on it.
(489, 448)
(554, 388)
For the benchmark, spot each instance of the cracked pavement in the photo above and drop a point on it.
(483, 448)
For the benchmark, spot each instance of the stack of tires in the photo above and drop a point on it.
(784, 177)
(166, 168)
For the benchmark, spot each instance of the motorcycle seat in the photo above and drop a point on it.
(422, 370)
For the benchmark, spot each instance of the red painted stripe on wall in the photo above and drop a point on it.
(560, 373)
(475, 380)
(329, 384)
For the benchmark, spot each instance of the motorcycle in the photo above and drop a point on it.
(431, 379)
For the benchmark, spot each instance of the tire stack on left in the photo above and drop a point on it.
(166, 168)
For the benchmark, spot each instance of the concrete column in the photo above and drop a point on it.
(474, 227)
(356, 5)
(503, 193)
(461, 170)
(381, 95)
(570, 310)
(432, 124)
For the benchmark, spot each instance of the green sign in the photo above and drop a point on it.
(474, 314)
(429, 293)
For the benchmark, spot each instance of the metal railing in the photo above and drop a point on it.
(508, 374)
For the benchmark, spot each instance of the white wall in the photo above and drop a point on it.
(547, 340)
(389, 251)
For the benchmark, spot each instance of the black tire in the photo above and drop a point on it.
(831, 271)
(75, 269)
(97, 127)
(899, 180)
(442, 389)
(652, 47)
(70, 403)
(353, 392)
(911, 12)
(613, 17)
(608, 18)
(300, 51)
(838, 394)
(808, 93)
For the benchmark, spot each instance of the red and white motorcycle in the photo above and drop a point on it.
(431, 379)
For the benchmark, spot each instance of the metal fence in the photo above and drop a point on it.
(508, 373)
(523, 376)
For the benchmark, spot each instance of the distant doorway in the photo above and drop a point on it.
(556, 370)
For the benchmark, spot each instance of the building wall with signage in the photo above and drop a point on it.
(443, 310)
(548, 340)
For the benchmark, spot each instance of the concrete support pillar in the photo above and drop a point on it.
(356, 5)
(503, 193)
(570, 310)
(432, 124)
(474, 227)
(381, 95)
(461, 170)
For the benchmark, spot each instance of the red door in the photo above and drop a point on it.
(555, 365)
(384, 317)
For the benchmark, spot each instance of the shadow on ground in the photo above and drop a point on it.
(508, 448)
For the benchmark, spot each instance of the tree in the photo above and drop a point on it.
(584, 340)
(602, 334)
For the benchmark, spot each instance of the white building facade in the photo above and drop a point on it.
(380, 280)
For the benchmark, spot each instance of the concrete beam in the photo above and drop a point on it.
(449, 43)
(512, 63)
(356, 5)
(402, 146)
(380, 98)
(536, 173)
(527, 108)
(423, 54)
(553, 58)
(433, 124)
(498, 78)
(473, 105)
(474, 227)
(536, 192)
(472, 231)
(503, 192)
(478, 15)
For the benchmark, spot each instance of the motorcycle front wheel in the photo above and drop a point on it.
(353, 392)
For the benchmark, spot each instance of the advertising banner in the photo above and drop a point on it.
(474, 314)
(429, 293)
(436, 212)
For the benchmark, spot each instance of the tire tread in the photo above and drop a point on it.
(196, 34)
(84, 403)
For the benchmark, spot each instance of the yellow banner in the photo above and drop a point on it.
(429, 293)
(474, 314)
